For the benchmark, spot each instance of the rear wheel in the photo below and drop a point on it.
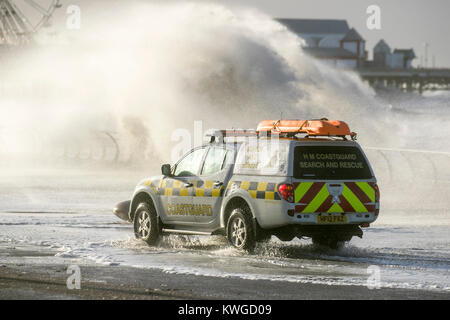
(240, 230)
(146, 224)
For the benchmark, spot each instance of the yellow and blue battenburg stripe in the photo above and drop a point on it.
(257, 190)
(174, 187)
(200, 188)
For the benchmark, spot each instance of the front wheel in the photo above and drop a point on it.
(240, 230)
(146, 224)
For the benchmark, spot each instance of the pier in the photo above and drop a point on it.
(412, 79)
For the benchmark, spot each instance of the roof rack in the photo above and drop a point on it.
(220, 135)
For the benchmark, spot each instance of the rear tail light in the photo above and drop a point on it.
(377, 193)
(287, 192)
(377, 199)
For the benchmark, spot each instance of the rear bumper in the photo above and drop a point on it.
(350, 218)
(283, 213)
(121, 210)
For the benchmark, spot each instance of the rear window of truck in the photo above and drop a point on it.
(330, 163)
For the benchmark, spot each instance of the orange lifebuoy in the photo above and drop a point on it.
(322, 127)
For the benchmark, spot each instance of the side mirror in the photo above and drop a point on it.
(166, 170)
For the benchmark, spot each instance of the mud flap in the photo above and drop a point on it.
(259, 233)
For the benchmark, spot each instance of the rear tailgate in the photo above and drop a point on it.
(332, 179)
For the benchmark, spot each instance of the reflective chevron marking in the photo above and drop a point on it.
(315, 197)
(301, 190)
(368, 190)
(353, 200)
(318, 200)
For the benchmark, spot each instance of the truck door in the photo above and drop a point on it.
(177, 191)
(211, 184)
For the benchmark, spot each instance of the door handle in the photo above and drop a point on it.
(218, 183)
(187, 185)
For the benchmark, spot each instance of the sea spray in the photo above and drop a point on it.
(119, 87)
(161, 67)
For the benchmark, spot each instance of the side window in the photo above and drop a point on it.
(190, 164)
(229, 158)
(214, 161)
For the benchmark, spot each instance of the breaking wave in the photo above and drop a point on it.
(130, 91)
(161, 67)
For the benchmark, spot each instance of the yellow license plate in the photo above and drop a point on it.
(332, 219)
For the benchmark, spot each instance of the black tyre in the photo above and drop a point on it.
(146, 224)
(240, 231)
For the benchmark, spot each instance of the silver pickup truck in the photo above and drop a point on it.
(310, 186)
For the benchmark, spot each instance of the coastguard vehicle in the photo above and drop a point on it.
(287, 178)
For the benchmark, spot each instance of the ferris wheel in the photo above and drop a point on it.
(20, 19)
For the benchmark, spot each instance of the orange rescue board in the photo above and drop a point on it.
(310, 127)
